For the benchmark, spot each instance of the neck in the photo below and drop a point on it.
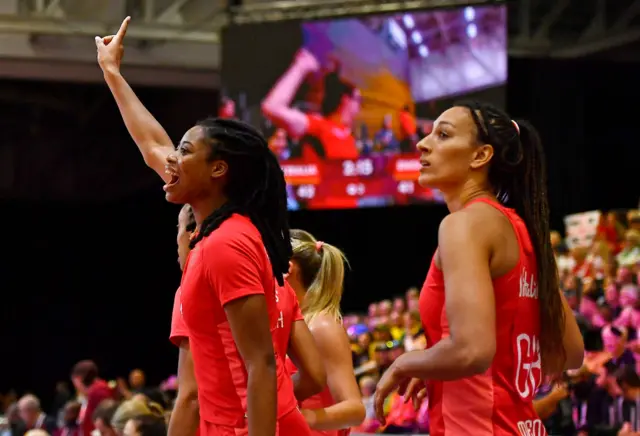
(205, 207)
(456, 199)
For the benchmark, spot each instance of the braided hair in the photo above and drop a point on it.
(255, 187)
(519, 177)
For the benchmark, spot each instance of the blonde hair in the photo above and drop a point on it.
(133, 409)
(322, 269)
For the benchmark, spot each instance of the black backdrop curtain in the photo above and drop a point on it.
(88, 264)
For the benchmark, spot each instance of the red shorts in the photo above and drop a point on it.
(291, 424)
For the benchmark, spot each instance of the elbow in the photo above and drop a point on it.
(188, 398)
(575, 356)
(359, 414)
(477, 360)
(268, 109)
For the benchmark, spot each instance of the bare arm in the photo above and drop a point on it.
(311, 377)
(546, 406)
(572, 340)
(249, 321)
(185, 416)
(150, 137)
(277, 104)
(470, 306)
(348, 410)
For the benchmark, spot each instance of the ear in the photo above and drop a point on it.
(218, 169)
(482, 156)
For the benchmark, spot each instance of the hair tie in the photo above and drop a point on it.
(319, 245)
(516, 126)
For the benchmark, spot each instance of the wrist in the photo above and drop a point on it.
(111, 72)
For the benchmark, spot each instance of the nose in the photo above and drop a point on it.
(423, 146)
(172, 158)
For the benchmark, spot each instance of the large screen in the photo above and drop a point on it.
(344, 102)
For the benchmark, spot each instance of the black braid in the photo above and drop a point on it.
(519, 176)
(255, 188)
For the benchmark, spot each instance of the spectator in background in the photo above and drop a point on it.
(133, 409)
(137, 381)
(227, 108)
(145, 426)
(385, 139)
(93, 389)
(69, 422)
(33, 417)
(61, 397)
(630, 253)
(103, 415)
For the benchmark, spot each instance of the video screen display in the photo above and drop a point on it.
(344, 102)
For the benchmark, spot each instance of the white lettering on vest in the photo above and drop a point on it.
(529, 368)
(528, 285)
(531, 427)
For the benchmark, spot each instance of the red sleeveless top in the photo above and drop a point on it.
(500, 401)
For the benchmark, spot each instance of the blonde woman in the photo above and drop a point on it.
(317, 275)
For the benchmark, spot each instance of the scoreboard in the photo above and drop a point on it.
(379, 180)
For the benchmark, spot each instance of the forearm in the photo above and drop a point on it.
(444, 361)
(282, 94)
(145, 130)
(546, 406)
(349, 413)
(185, 417)
(262, 399)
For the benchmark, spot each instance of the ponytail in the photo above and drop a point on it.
(322, 268)
(529, 199)
(518, 174)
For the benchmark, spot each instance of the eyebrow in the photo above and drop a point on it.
(447, 123)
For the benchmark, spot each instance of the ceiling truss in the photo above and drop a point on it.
(538, 28)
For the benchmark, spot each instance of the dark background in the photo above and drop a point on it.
(88, 264)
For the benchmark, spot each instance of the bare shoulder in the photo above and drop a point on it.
(478, 222)
(326, 328)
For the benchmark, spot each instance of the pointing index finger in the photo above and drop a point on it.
(123, 29)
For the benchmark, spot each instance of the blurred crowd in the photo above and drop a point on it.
(92, 407)
(599, 280)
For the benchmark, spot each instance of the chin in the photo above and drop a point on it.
(175, 198)
(427, 181)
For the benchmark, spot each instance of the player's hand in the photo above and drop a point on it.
(111, 49)
(415, 390)
(388, 383)
(306, 61)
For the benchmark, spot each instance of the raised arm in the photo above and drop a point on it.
(277, 104)
(150, 137)
(311, 377)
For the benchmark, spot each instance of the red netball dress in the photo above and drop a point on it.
(500, 401)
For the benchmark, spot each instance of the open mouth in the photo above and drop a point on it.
(173, 181)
